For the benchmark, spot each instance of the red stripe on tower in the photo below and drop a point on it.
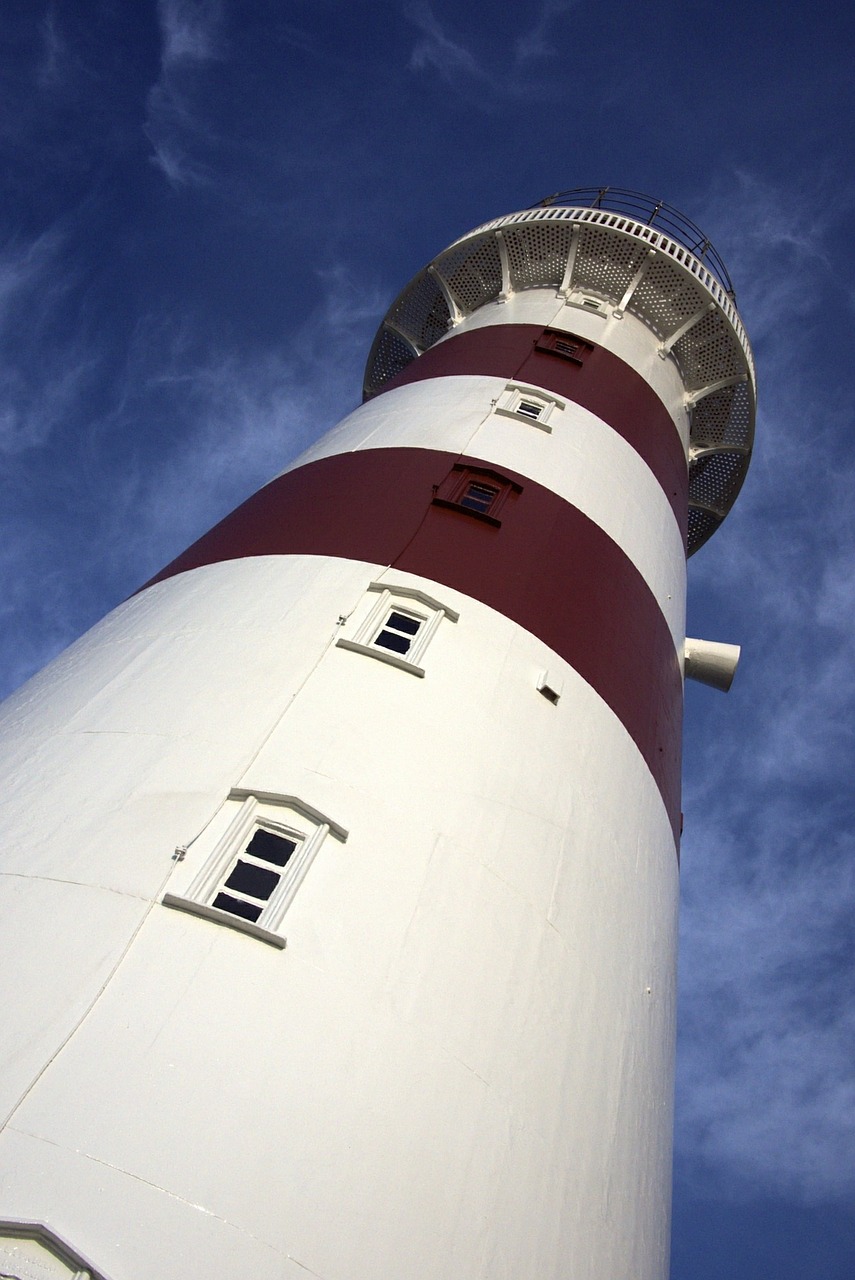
(539, 561)
(579, 370)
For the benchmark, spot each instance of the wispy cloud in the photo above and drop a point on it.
(189, 29)
(237, 419)
(766, 1070)
(437, 51)
(448, 56)
(54, 50)
(539, 42)
(39, 380)
(219, 424)
(767, 1081)
(191, 39)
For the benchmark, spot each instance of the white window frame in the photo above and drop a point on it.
(266, 811)
(414, 604)
(516, 393)
(29, 1248)
(589, 303)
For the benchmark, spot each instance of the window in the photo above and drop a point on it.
(528, 404)
(251, 880)
(478, 492)
(585, 302)
(479, 497)
(399, 631)
(398, 626)
(565, 345)
(265, 847)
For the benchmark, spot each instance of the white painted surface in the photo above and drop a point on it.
(413, 1087)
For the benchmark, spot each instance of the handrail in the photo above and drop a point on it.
(658, 240)
(646, 209)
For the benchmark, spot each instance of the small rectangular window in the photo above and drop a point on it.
(398, 631)
(248, 887)
(479, 497)
(399, 626)
(528, 404)
(477, 491)
(251, 874)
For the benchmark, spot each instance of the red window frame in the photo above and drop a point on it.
(567, 346)
(457, 484)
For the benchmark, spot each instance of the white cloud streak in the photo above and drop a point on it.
(54, 51)
(437, 51)
(766, 1066)
(191, 38)
(235, 419)
(238, 419)
(34, 285)
(189, 29)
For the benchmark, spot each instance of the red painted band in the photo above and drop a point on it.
(545, 565)
(602, 383)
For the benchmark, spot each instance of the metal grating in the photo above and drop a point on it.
(702, 525)
(723, 418)
(537, 254)
(708, 352)
(473, 272)
(666, 298)
(389, 355)
(716, 478)
(422, 312)
(606, 263)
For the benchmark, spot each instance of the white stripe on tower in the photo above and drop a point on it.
(415, 706)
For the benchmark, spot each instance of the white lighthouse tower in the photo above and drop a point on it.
(339, 864)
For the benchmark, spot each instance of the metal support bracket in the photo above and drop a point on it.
(453, 307)
(675, 337)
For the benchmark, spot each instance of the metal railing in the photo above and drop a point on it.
(646, 209)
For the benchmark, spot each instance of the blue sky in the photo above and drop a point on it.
(207, 207)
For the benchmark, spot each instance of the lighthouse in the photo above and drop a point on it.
(340, 862)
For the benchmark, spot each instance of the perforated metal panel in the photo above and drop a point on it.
(606, 263)
(715, 479)
(708, 352)
(666, 298)
(473, 272)
(422, 311)
(702, 525)
(537, 253)
(723, 418)
(389, 355)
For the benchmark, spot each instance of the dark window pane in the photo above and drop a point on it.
(247, 910)
(271, 848)
(401, 622)
(530, 409)
(391, 640)
(479, 497)
(255, 881)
